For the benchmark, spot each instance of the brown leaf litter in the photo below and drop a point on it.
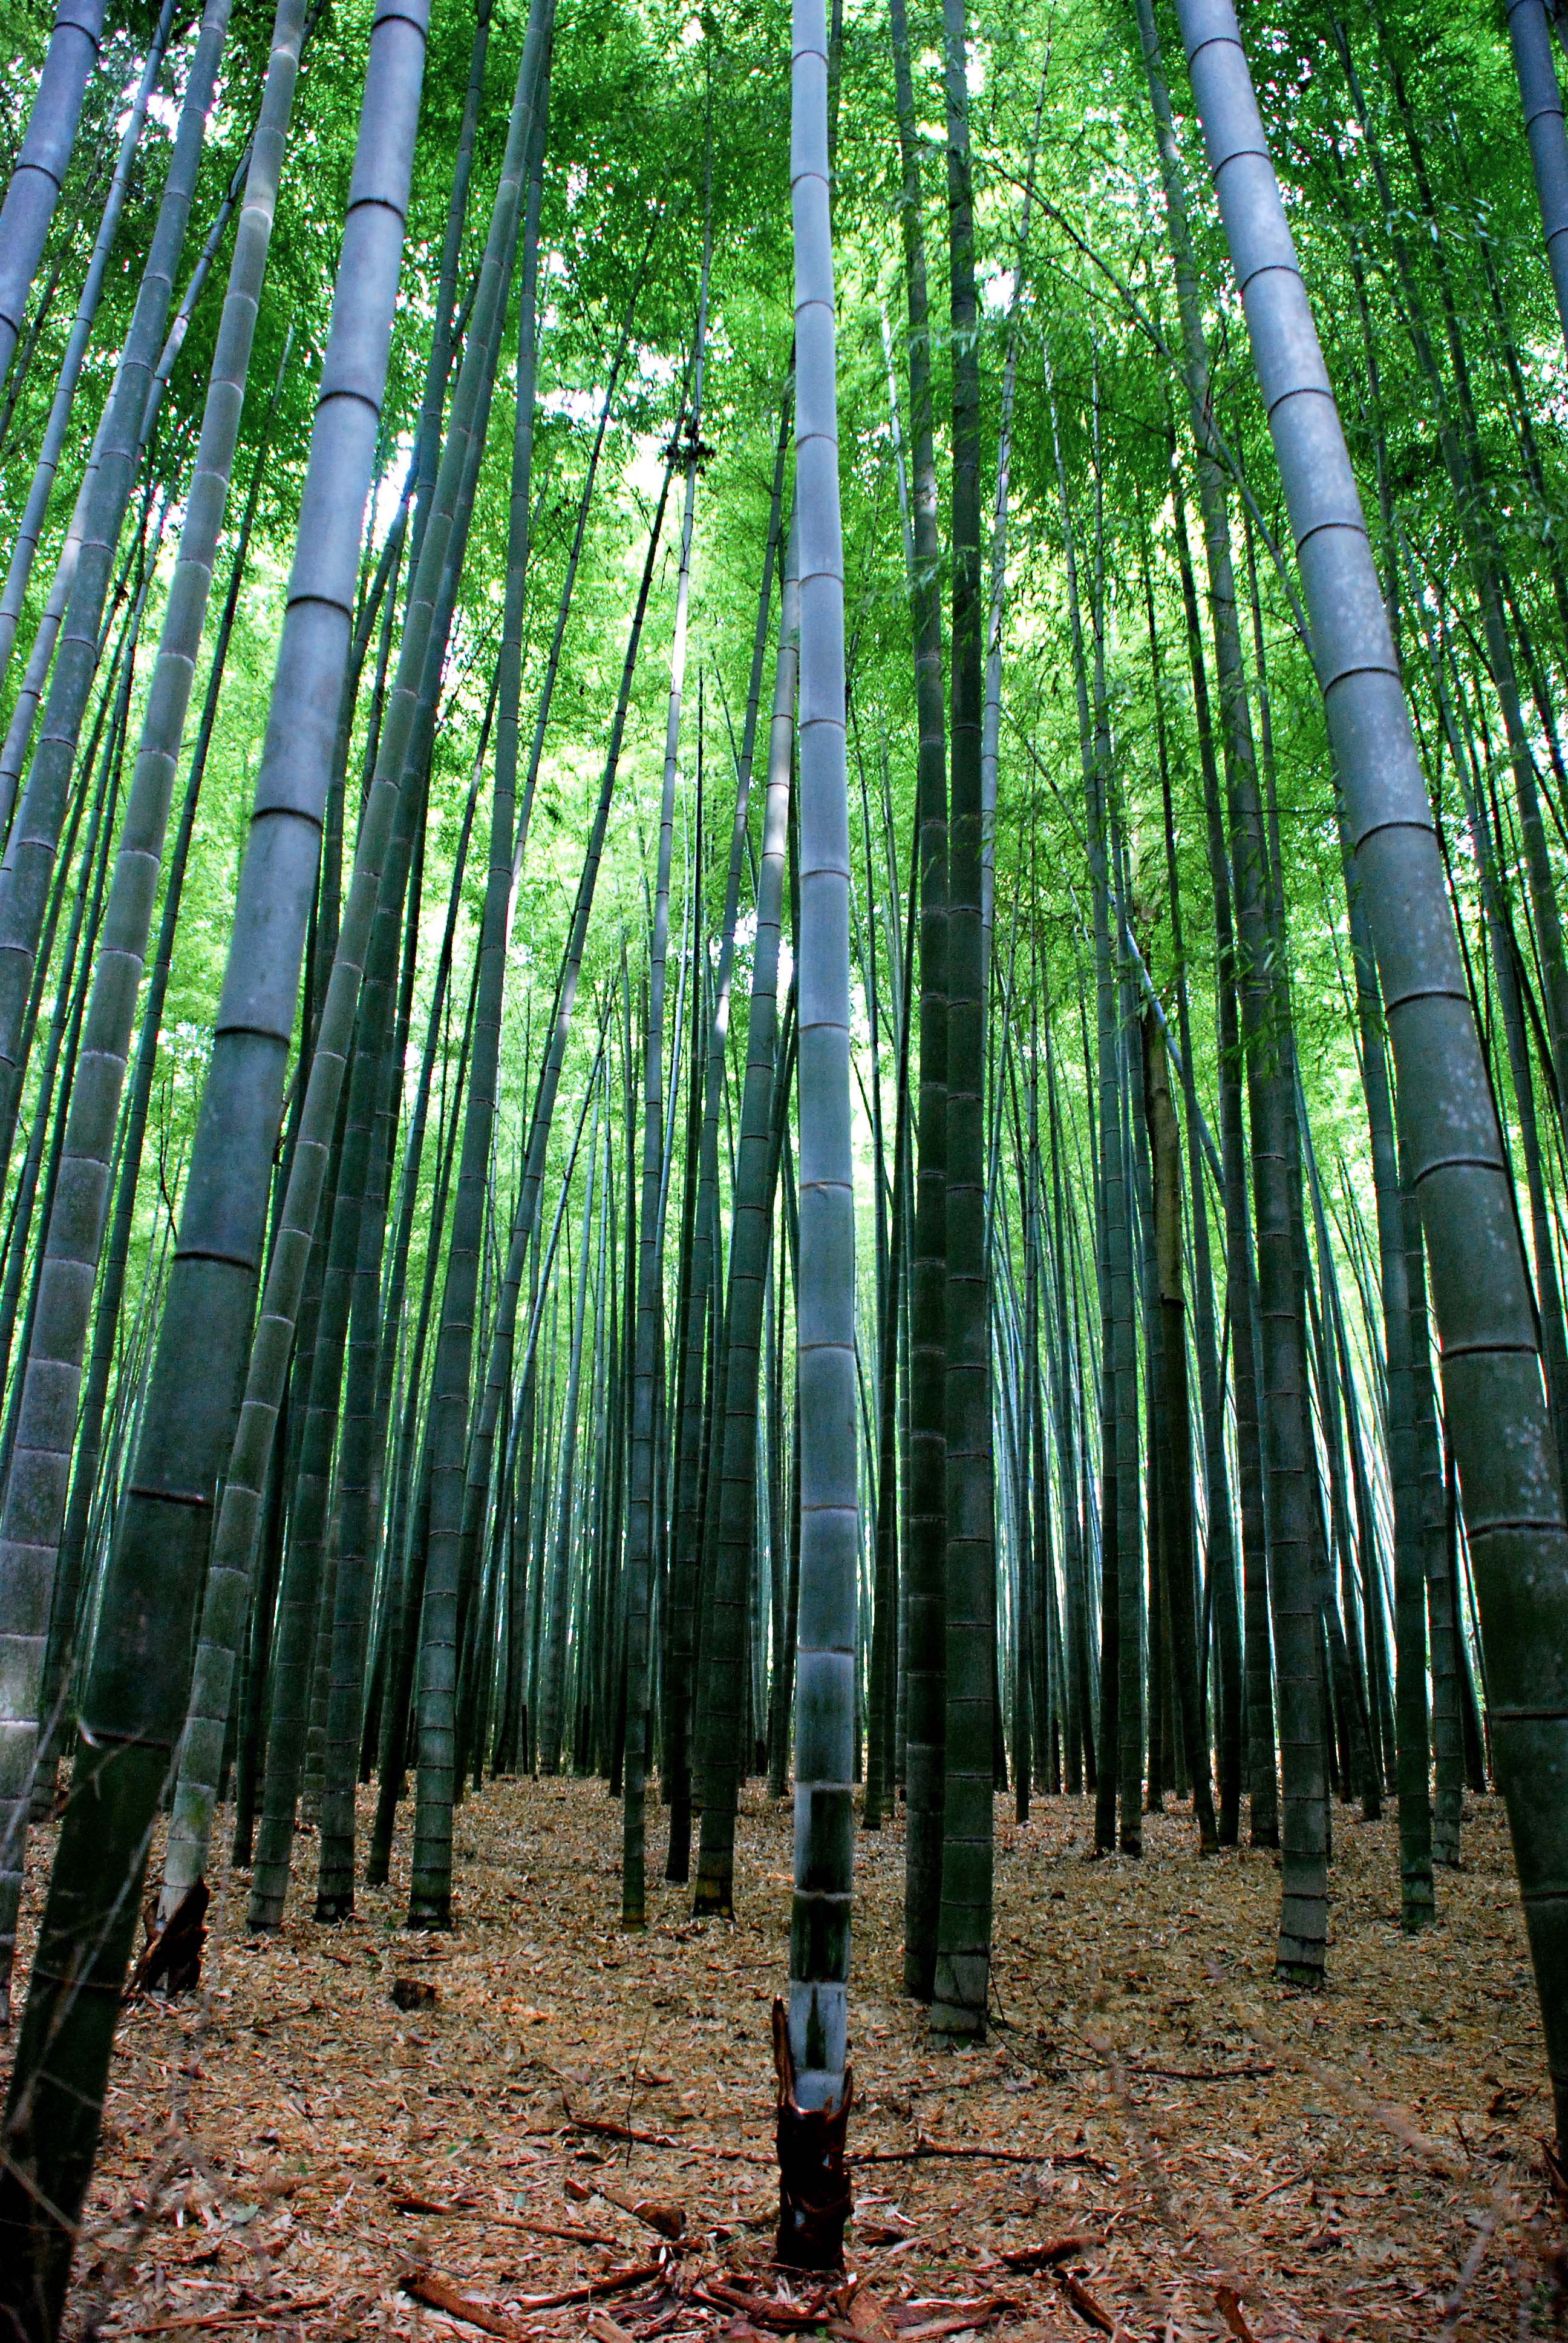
(571, 2134)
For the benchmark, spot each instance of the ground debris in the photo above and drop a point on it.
(1160, 2135)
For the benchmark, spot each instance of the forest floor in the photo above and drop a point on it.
(289, 2153)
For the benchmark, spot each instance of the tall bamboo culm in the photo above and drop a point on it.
(135, 1699)
(33, 1519)
(1491, 1377)
(812, 2030)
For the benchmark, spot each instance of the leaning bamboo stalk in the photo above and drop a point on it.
(99, 791)
(57, 1075)
(1490, 1364)
(39, 171)
(32, 846)
(372, 913)
(1530, 39)
(46, 463)
(35, 1493)
(354, 1244)
(117, 1243)
(430, 1891)
(135, 1699)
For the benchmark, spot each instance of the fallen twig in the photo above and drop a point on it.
(239, 2315)
(870, 2231)
(788, 2318)
(925, 2147)
(1290, 2180)
(1202, 2073)
(469, 2208)
(657, 2212)
(573, 2232)
(1088, 2305)
(957, 2322)
(606, 2330)
(1040, 2257)
(613, 2282)
(424, 2286)
(601, 2127)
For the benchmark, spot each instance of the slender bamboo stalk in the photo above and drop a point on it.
(33, 840)
(46, 463)
(686, 1566)
(1531, 42)
(1239, 956)
(755, 1177)
(556, 1607)
(39, 171)
(961, 1983)
(640, 1536)
(925, 1699)
(431, 1885)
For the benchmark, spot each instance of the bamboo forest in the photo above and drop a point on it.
(784, 1169)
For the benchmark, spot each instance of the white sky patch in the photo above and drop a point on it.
(646, 470)
(746, 942)
(977, 68)
(389, 486)
(996, 290)
(573, 405)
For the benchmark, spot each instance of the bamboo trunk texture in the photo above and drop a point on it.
(133, 1702)
(1491, 1365)
(818, 2004)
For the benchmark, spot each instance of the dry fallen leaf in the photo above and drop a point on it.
(313, 2112)
(1229, 2302)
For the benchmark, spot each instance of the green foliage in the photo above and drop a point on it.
(643, 99)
